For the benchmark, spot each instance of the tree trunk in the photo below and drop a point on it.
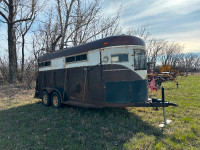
(12, 46)
(22, 67)
(66, 24)
(12, 53)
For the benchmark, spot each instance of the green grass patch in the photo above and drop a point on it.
(26, 124)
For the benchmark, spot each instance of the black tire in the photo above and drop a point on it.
(45, 98)
(56, 100)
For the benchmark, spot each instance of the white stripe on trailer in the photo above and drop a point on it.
(93, 58)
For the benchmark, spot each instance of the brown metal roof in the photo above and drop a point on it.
(105, 42)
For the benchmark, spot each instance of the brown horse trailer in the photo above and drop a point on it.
(110, 72)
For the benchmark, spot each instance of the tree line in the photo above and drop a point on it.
(60, 24)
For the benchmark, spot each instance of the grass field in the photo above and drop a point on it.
(26, 124)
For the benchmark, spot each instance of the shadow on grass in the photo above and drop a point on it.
(37, 127)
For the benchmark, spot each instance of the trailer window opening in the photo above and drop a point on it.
(81, 57)
(45, 64)
(119, 58)
(140, 60)
(76, 58)
(70, 59)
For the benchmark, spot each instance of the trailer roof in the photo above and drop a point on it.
(105, 42)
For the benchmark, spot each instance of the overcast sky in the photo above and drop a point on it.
(173, 20)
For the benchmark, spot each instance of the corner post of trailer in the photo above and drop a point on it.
(163, 101)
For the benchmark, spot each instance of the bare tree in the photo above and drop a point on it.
(75, 22)
(197, 63)
(99, 27)
(140, 31)
(9, 10)
(4, 74)
(54, 29)
(23, 28)
(38, 45)
(154, 48)
(64, 22)
(169, 51)
(192, 62)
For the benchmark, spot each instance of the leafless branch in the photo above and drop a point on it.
(5, 2)
(28, 17)
(3, 15)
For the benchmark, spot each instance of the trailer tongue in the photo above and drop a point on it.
(154, 102)
(151, 103)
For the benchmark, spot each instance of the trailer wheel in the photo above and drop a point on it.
(45, 99)
(56, 100)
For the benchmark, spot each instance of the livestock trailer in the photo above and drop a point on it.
(110, 72)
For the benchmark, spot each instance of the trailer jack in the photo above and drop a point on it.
(164, 112)
(166, 121)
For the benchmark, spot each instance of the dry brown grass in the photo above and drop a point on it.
(15, 94)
